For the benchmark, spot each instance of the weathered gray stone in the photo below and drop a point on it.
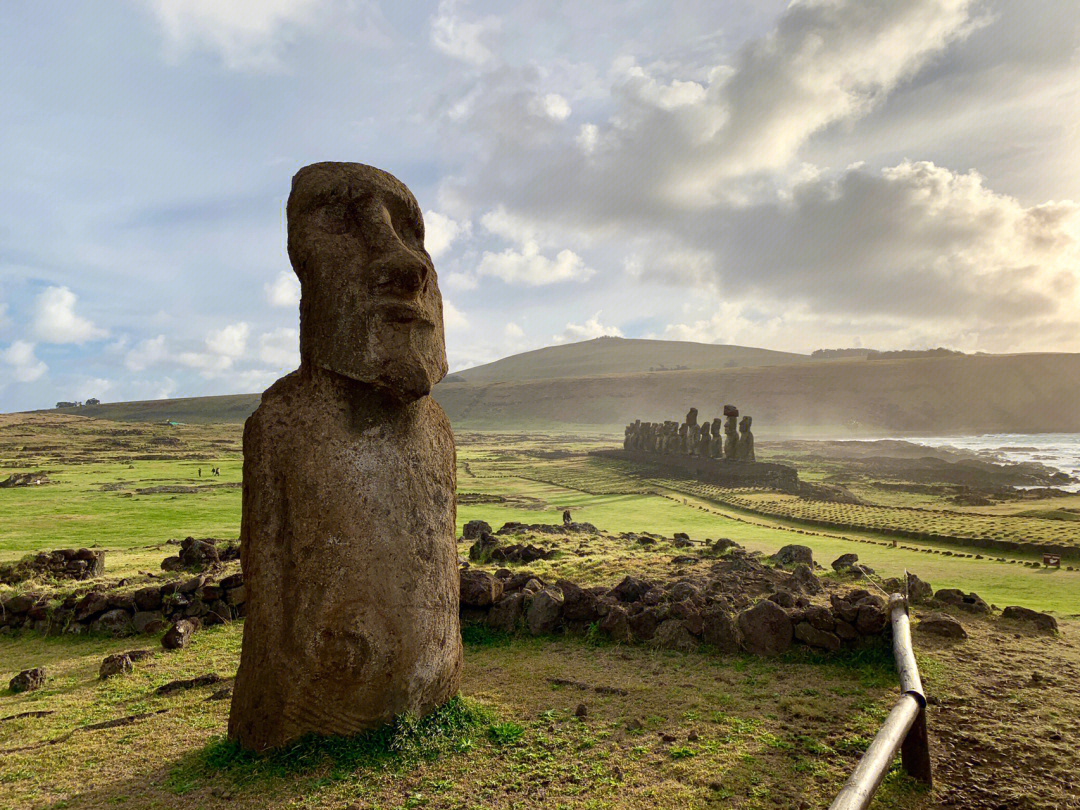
(616, 625)
(178, 635)
(29, 680)
(673, 635)
(506, 613)
(545, 611)
(147, 622)
(1044, 621)
(348, 514)
(844, 561)
(941, 624)
(479, 589)
(115, 664)
(720, 629)
(794, 555)
(474, 529)
(808, 634)
(765, 629)
(807, 580)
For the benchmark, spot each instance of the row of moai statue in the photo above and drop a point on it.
(729, 438)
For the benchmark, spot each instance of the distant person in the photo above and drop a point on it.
(200, 472)
(566, 519)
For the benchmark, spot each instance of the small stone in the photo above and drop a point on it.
(115, 664)
(178, 635)
(581, 710)
(844, 561)
(794, 555)
(28, 680)
(1044, 621)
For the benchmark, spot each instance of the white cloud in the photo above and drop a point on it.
(146, 353)
(592, 328)
(5, 321)
(531, 268)
(453, 318)
(55, 320)
(550, 105)
(93, 387)
(283, 291)
(246, 34)
(513, 332)
(223, 348)
(588, 138)
(26, 366)
(462, 39)
(440, 231)
(280, 348)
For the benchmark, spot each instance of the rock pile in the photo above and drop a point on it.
(64, 563)
(722, 609)
(29, 479)
(122, 612)
(488, 547)
(200, 555)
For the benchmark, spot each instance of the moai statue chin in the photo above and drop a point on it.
(348, 516)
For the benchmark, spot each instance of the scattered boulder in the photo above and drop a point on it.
(29, 680)
(844, 561)
(765, 629)
(545, 611)
(178, 635)
(941, 624)
(681, 540)
(479, 589)
(115, 622)
(794, 555)
(115, 664)
(954, 597)
(1044, 621)
(480, 551)
(475, 529)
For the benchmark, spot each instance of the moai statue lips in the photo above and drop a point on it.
(348, 512)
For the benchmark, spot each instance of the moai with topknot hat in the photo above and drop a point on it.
(348, 513)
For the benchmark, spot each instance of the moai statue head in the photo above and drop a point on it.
(691, 417)
(744, 424)
(717, 427)
(370, 305)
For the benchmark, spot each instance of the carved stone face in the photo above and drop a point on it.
(745, 422)
(370, 306)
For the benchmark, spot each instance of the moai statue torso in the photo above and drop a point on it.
(731, 431)
(746, 440)
(348, 512)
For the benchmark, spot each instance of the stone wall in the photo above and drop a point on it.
(64, 563)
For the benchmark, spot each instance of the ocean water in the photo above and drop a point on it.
(1060, 451)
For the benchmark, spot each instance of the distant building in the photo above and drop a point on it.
(93, 401)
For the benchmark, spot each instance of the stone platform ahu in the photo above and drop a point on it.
(719, 451)
(347, 528)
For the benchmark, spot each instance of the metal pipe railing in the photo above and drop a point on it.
(904, 729)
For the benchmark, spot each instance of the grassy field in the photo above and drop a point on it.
(664, 730)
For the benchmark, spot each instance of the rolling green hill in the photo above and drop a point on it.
(611, 355)
(580, 387)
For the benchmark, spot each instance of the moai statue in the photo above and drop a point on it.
(745, 447)
(637, 435)
(717, 440)
(693, 438)
(691, 417)
(683, 430)
(731, 431)
(628, 437)
(705, 446)
(348, 509)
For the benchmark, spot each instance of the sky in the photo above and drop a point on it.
(790, 175)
